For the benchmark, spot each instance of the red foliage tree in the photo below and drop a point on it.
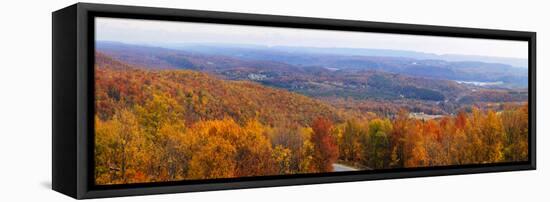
(326, 149)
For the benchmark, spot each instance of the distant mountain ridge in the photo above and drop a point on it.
(222, 58)
(515, 62)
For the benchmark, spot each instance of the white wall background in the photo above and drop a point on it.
(25, 100)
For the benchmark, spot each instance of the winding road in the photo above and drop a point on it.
(342, 168)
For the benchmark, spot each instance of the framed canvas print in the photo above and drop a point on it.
(154, 100)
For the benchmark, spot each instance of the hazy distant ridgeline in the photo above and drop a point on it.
(255, 51)
(403, 62)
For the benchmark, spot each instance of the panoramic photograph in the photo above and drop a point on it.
(177, 101)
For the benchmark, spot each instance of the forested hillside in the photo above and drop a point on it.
(156, 125)
(161, 125)
(201, 96)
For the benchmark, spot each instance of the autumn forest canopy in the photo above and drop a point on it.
(166, 115)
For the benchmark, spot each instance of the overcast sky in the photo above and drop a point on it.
(154, 31)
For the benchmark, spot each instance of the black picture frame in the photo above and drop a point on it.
(73, 97)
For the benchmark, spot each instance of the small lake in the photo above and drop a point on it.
(481, 83)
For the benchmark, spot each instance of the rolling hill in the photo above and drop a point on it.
(198, 95)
